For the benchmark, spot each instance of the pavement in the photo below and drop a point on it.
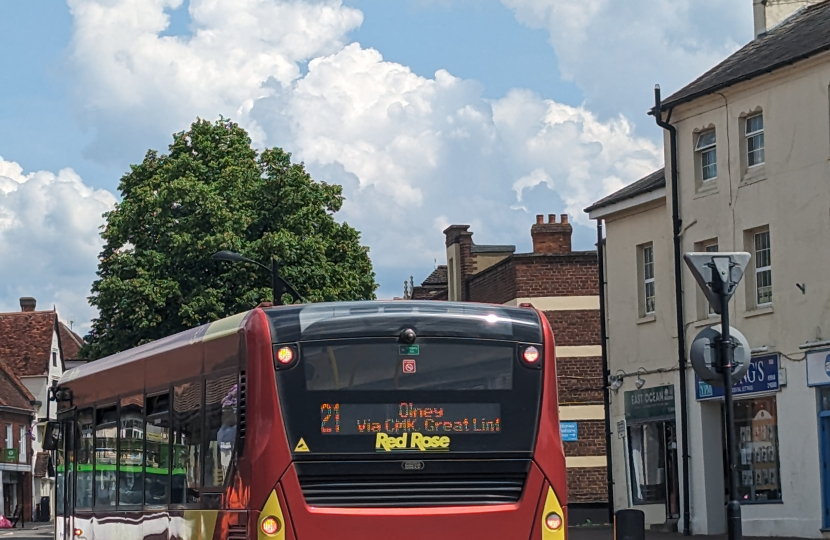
(605, 532)
(43, 531)
(31, 531)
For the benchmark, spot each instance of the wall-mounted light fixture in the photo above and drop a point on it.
(640, 380)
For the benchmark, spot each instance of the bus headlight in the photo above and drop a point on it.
(553, 521)
(271, 526)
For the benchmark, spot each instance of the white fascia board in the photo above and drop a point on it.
(633, 202)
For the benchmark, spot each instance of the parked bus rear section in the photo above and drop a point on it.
(332, 421)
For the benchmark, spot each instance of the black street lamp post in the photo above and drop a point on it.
(278, 285)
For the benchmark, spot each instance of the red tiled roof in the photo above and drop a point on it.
(26, 341)
(70, 342)
(14, 393)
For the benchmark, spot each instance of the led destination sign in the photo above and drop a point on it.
(399, 418)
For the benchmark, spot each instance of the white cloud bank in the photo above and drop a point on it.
(49, 240)
(413, 153)
(616, 50)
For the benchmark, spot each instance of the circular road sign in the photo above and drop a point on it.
(704, 355)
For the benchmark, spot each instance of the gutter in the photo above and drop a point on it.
(606, 390)
(678, 300)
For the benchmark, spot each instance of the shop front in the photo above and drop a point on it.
(652, 452)
(818, 377)
(756, 429)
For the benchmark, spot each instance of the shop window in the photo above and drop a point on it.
(648, 464)
(106, 441)
(131, 451)
(157, 456)
(756, 423)
(21, 458)
(187, 443)
(86, 447)
(220, 427)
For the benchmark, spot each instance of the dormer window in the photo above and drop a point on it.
(708, 155)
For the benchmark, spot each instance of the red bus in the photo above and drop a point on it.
(353, 421)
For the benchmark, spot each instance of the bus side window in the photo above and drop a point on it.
(84, 455)
(60, 472)
(131, 451)
(220, 427)
(106, 436)
(157, 456)
(187, 442)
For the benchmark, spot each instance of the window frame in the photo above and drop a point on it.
(95, 426)
(119, 505)
(758, 133)
(762, 269)
(646, 281)
(156, 392)
(702, 151)
(205, 448)
(21, 442)
(200, 381)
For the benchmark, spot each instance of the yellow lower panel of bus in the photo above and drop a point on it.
(552, 506)
(270, 512)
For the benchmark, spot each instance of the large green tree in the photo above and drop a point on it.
(214, 192)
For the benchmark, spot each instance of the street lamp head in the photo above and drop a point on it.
(227, 256)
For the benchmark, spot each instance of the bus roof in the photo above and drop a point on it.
(428, 318)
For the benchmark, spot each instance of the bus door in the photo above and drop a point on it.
(65, 473)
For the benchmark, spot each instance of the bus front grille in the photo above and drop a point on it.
(416, 490)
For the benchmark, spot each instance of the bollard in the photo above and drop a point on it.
(630, 524)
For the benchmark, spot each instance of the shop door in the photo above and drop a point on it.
(672, 483)
(824, 421)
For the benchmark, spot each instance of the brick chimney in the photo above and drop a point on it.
(27, 303)
(768, 14)
(460, 263)
(551, 237)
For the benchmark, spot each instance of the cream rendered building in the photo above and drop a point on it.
(752, 174)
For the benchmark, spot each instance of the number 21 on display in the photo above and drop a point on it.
(327, 413)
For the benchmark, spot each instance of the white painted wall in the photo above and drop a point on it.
(790, 193)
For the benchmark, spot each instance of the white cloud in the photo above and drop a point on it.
(413, 153)
(616, 51)
(49, 239)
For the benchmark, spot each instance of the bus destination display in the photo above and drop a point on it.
(396, 418)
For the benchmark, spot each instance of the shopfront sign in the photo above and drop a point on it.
(818, 367)
(569, 431)
(9, 455)
(650, 403)
(761, 377)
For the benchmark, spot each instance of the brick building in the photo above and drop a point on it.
(563, 284)
(17, 413)
(34, 347)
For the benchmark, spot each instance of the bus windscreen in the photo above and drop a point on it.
(358, 396)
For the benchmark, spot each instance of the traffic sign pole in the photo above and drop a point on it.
(733, 508)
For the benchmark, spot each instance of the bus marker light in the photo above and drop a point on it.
(553, 521)
(285, 355)
(271, 525)
(531, 354)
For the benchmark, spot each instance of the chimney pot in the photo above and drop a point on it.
(27, 303)
(540, 219)
(564, 218)
(551, 218)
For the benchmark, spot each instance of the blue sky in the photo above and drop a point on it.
(428, 112)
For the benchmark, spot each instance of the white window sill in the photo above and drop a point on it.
(710, 187)
(759, 311)
(647, 319)
(754, 174)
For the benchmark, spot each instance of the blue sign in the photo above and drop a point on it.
(569, 431)
(762, 376)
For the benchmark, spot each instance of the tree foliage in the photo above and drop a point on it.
(214, 192)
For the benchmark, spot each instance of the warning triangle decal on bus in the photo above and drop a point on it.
(302, 446)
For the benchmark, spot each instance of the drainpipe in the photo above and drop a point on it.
(678, 300)
(606, 397)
